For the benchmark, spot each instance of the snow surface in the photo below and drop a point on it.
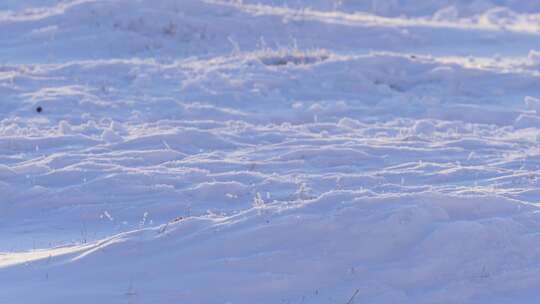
(269, 151)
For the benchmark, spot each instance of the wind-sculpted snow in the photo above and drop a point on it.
(246, 152)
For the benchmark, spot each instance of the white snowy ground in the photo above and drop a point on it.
(269, 151)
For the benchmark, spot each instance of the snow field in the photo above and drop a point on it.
(269, 151)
